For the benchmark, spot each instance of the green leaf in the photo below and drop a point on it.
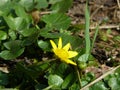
(114, 83)
(61, 6)
(55, 80)
(36, 69)
(3, 79)
(50, 35)
(99, 86)
(20, 11)
(57, 21)
(20, 23)
(83, 58)
(69, 80)
(75, 41)
(74, 87)
(84, 82)
(54, 1)
(5, 7)
(39, 87)
(28, 32)
(31, 39)
(89, 76)
(3, 35)
(8, 55)
(10, 21)
(17, 23)
(12, 34)
(27, 4)
(41, 4)
(16, 44)
(44, 45)
(3, 2)
(117, 38)
(61, 70)
(14, 50)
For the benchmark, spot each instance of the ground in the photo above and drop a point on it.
(106, 13)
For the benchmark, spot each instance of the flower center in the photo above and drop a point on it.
(61, 53)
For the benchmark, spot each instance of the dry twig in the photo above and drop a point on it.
(118, 2)
(106, 27)
(100, 78)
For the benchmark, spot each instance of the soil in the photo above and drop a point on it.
(99, 10)
(106, 13)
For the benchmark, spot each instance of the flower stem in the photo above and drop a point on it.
(79, 75)
(47, 61)
(48, 88)
(37, 27)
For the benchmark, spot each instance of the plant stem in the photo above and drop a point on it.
(47, 61)
(37, 27)
(79, 75)
(48, 88)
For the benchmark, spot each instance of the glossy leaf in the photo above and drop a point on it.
(3, 78)
(61, 6)
(28, 32)
(16, 44)
(74, 40)
(61, 70)
(20, 12)
(3, 2)
(44, 45)
(57, 21)
(54, 1)
(3, 35)
(12, 34)
(114, 83)
(15, 23)
(39, 86)
(99, 86)
(83, 58)
(27, 4)
(14, 50)
(55, 80)
(8, 55)
(74, 87)
(69, 80)
(30, 39)
(3, 9)
(41, 4)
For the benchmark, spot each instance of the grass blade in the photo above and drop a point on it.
(87, 23)
(94, 38)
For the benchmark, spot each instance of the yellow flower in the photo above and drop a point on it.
(63, 53)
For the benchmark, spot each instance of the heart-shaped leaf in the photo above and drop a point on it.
(3, 35)
(55, 80)
(57, 21)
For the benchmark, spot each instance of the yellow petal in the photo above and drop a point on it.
(66, 47)
(70, 62)
(53, 44)
(60, 43)
(72, 54)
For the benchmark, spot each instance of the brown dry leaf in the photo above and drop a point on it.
(4, 69)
